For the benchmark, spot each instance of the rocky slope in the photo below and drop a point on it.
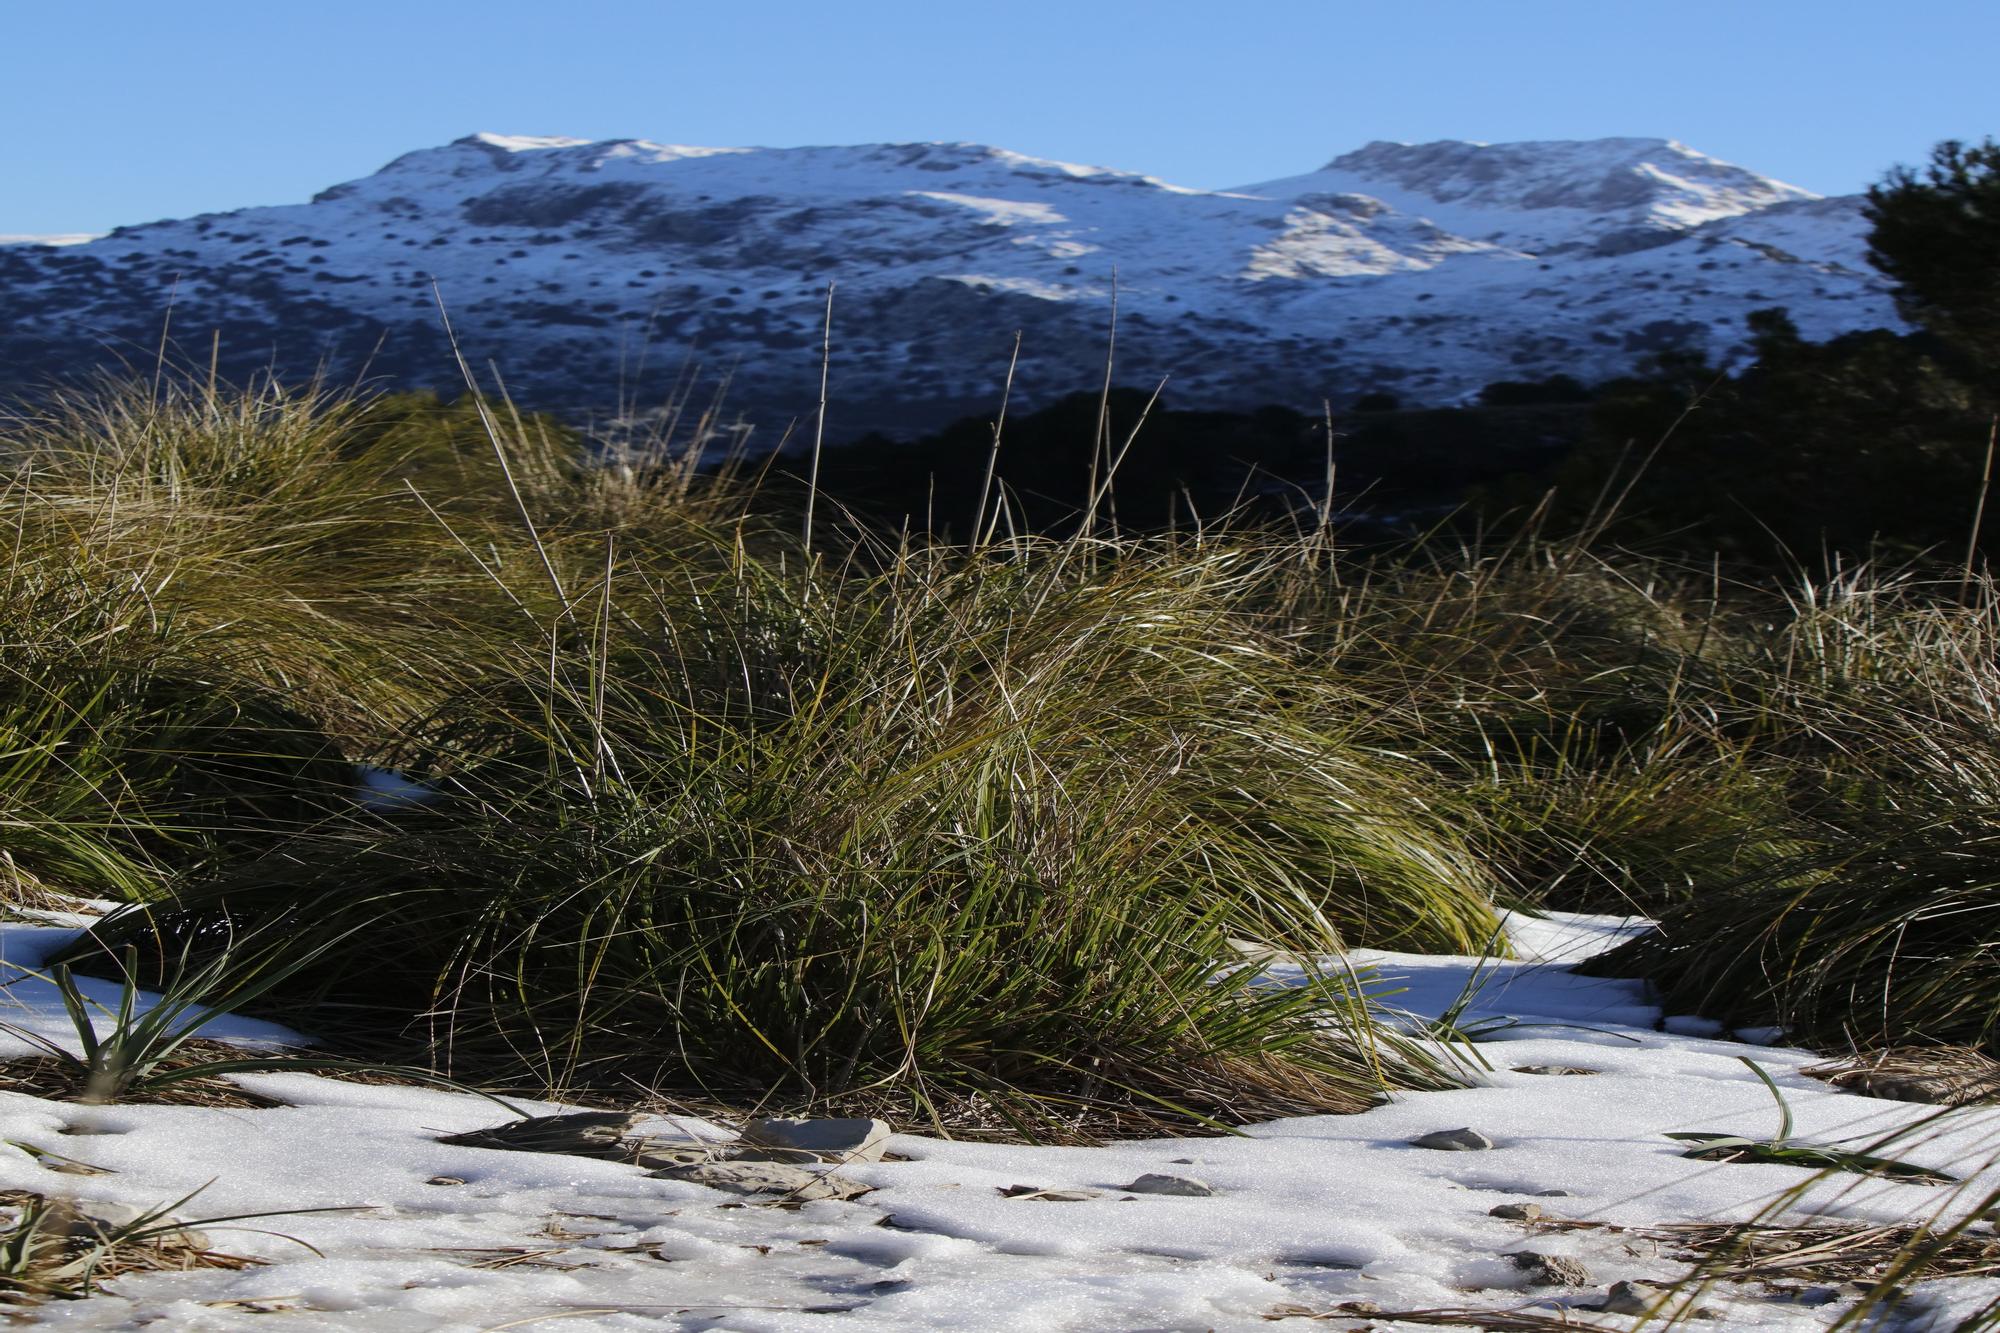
(595, 274)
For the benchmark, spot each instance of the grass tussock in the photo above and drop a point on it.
(973, 834)
(1877, 923)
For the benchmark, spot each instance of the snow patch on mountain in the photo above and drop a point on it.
(574, 265)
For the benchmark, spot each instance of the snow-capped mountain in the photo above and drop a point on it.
(591, 273)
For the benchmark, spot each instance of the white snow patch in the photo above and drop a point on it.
(1306, 1212)
(386, 789)
(527, 143)
(999, 212)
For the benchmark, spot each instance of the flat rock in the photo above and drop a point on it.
(1453, 1140)
(657, 1154)
(580, 1133)
(1154, 1182)
(786, 1139)
(1551, 1270)
(1050, 1196)
(777, 1179)
(1518, 1212)
(1632, 1298)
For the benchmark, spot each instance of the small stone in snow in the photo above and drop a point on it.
(1049, 1196)
(1453, 1140)
(1155, 1183)
(774, 1178)
(445, 1180)
(784, 1139)
(1554, 1194)
(1517, 1212)
(1632, 1298)
(1550, 1270)
(1552, 1069)
(583, 1133)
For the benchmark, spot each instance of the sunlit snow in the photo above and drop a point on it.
(1306, 1212)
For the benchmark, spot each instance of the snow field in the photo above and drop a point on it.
(1306, 1212)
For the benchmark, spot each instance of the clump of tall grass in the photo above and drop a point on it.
(1576, 705)
(210, 599)
(125, 753)
(973, 832)
(1877, 925)
(172, 663)
(950, 833)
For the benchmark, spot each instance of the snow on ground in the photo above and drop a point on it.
(1306, 1212)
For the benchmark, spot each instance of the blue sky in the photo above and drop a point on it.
(120, 111)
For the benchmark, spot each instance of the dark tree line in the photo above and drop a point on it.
(1872, 444)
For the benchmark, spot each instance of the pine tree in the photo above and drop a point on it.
(1936, 234)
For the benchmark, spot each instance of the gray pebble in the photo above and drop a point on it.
(1050, 1196)
(787, 1139)
(1155, 1183)
(764, 1178)
(1551, 1270)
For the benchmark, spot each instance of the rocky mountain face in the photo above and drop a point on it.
(598, 276)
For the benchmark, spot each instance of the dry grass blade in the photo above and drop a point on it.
(1365, 1315)
(61, 1080)
(492, 1258)
(50, 1249)
(1825, 1252)
(1937, 1075)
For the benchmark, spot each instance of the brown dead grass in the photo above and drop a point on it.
(1936, 1075)
(62, 1081)
(1827, 1253)
(70, 1255)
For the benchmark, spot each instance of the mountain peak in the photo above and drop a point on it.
(1542, 196)
(1434, 268)
(1378, 153)
(1659, 176)
(520, 143)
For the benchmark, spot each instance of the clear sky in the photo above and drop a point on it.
(121, 111)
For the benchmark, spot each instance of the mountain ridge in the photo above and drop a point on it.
(592, 272)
